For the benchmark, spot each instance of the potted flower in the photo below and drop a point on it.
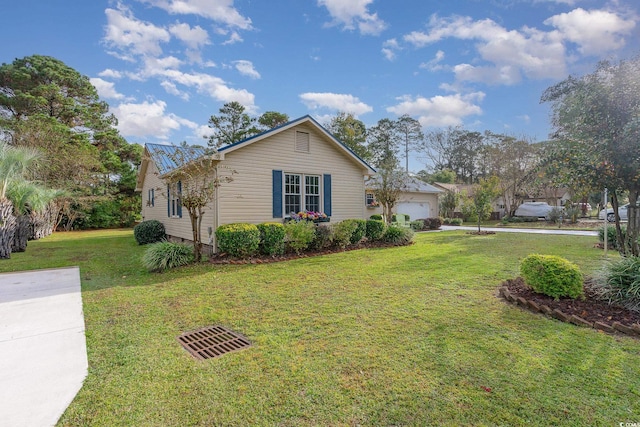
(310, 216)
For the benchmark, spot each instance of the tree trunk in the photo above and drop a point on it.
(633, 225)
(622, 244)
(7, 228)
(197, 244)
(21, 235)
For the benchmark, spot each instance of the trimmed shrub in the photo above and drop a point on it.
(418, 224)
(619, 283)
(552, 275)
(240, 240)
(323, 237)
(375, 229)
(343, 232)
(360, 231)
(455, 221)
(398, 236)
(555, 215)
(433, 223)
(299, 235)
(376, 217)
(151, 231)
(165, 255)
(271, 238)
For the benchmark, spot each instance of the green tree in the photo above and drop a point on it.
(383, 142)
(445, 176)
(351, 132)
(448, 203)
(272, 119)
(482, 195)
(14, 163)
(231, 125)
(596, 132)
(387, 186)
(411, 136)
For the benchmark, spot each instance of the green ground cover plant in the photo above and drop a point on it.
(411, 335)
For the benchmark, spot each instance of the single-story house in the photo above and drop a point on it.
(418, 199)
(295, 167)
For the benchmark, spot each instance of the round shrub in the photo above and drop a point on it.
(455, 221)
(271, 238)
(240, 240)
(376, 217)
(552, 275)
(417, 225)
(343, 233)
(374, 229)
(619, 283)
(398, 236)
(165, 255)
(150, 231)
(433, 223)
(323, 237)
(359, 232)
(299, 235)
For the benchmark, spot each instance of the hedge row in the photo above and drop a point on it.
(242, 240)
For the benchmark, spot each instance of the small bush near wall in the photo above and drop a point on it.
(359, 232)
(376, 217)
(150, 231)
(165, 255)
(398, 235)
(417, 225)
(374, 229)
(343, 232)
(552, 275)
(452, 221)
(323, 238)
(271, 238)
(239, 239)
(299, 235)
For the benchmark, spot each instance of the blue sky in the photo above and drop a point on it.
(165, 66)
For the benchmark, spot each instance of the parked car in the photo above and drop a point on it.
(534, 209)
(622, 212)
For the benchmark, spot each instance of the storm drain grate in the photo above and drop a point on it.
(212, 341)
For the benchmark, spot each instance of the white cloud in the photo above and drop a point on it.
(148, 119)
(594, 31)
(172, 89)
(106, 89)
(434, 64)
(125, 32)
(109, 73)
(439, 110)
(233, 38)
(195, 37)
(220, 11)
(335, 101)
(246, 68)
(389, 48)
(354, 14)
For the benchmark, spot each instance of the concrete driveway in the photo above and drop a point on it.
(43, 355)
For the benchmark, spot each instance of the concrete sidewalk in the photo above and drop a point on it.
(43, 355)
(562, 231)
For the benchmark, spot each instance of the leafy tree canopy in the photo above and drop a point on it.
(272, 119)
(231, 125)
(351, 132)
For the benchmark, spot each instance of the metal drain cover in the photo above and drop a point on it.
(212, 341)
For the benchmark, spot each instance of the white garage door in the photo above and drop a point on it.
(415, 210)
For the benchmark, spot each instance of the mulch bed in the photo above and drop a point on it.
(590, 309)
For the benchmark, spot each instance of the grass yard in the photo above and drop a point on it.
(401, 336)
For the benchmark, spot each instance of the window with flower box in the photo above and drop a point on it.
(299, 188)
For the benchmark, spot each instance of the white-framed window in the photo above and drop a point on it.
(369, 199)
(301, 192)
(151, 197)
(175, 200)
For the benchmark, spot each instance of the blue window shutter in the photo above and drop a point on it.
(179, 199)
(327, 194)
(277, 193)
(168, 200)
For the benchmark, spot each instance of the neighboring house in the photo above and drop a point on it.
(497, 205)
(294, 167)
(419, 200)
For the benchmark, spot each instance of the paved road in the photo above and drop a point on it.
(563, 231)
(43, 355)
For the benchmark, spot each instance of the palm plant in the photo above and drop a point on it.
(14, 163)
(29, 200)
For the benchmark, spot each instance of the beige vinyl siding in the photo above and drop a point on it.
(179, 228)
(249, 197)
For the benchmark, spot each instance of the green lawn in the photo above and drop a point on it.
(401, 336)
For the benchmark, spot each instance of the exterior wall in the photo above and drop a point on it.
(177, 228)
(249, 197)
